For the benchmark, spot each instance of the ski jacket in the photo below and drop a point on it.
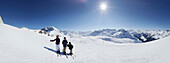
(64, 43)
(70, 46)
(57, 41)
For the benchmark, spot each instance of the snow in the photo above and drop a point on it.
(50, 29)
(144, 39)
(123, 35)
(157, 34)
(24, 46)
(136, 35)
(1, 21)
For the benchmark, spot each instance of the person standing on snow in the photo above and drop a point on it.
(64, 45)
(70, 46)
(57, 43)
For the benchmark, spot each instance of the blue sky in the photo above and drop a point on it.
(83, 15)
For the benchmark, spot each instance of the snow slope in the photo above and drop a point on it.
(24, 46)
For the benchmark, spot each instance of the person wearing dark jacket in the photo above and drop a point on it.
(57, 44)
(64, 45)
(70, 46)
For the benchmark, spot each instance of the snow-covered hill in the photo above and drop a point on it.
(24, 46)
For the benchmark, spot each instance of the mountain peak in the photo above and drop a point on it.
(49, 29)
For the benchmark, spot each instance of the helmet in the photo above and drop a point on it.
(57, 36)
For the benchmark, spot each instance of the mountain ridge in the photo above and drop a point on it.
(136, 35)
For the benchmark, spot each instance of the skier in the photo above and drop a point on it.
(57, 44)
(70, 46)
(64, 45)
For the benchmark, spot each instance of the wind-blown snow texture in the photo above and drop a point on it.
(26, 46)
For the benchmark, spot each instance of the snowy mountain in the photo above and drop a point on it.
(71, 34)
(24, 46)
(104, 32)
(50, 29)
(139, 35)
(123, 34)
(84, 33)
(149, 35)
(113, 35)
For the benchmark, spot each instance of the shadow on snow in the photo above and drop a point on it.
(52, 50)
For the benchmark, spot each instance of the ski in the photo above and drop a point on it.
(66, 56)
(73, 56)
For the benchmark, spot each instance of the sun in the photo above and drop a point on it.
(103, 6)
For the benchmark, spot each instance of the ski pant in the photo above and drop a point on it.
(57, 48)
(71, 52)
(64, 49)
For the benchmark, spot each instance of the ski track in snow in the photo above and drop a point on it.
(24, 46)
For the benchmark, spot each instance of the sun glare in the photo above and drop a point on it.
(103, 6)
